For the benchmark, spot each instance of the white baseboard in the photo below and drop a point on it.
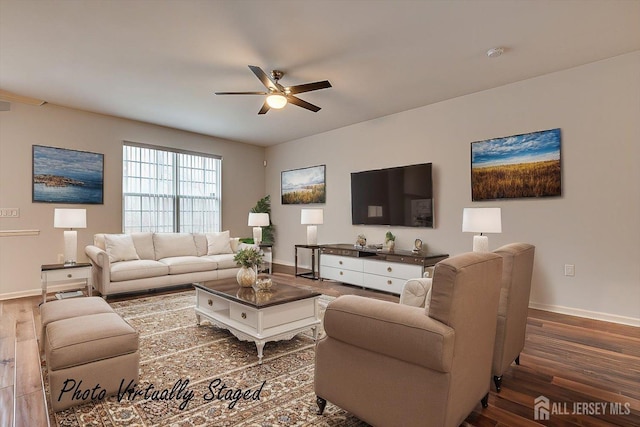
(606, 317)
(38, 291)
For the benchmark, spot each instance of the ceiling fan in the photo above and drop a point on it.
(278, 95)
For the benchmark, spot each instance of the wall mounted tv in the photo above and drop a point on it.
(400, 196)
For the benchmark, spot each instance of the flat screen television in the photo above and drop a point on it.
(400, 196)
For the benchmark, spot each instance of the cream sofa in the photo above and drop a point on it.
(141, 261)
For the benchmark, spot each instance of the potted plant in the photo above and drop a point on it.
(248, 259)
(390, 240)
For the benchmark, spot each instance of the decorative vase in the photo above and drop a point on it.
(246, 277)
(391, 245)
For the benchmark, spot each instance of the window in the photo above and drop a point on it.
(166, 190)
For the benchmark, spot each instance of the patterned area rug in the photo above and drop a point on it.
(177, 354)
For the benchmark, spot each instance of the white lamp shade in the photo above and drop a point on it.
(70, 218)
(311, 216)
(482, 220)
(257, 219)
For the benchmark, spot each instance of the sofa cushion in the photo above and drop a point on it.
(98, 240)
(223, 260)
(138, 269)
(188, 264)
(144, 245)
(72, 307)
(201, 243)
(218, 243)
(174, 244)
(119, 247)
(89, 338)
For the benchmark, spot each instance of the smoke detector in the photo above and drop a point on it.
(495, 52)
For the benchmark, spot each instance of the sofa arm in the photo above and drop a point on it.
(415, 291)
(97, 256)
(398, 331)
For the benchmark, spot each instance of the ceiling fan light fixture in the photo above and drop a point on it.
(276, 101)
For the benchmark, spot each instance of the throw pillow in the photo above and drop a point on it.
(218, 243)
(120, 247)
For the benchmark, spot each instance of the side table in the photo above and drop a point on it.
(63, 273)
(313, 274)
(267, 250)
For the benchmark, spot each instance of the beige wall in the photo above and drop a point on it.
(595, 225)
(23, 126)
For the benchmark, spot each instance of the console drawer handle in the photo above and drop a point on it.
(389, 269)
(210, 302)
(341, 273)
(243, 315)
(69, 275)
(340, 262)
(389, 282)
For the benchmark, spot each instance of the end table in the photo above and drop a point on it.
(313, 273)
(65, 273)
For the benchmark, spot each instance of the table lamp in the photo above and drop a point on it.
(257, 221)
(312, 217)
(481, 220)
(70, 218)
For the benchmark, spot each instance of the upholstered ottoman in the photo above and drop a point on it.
(69, 308)
(89, 356)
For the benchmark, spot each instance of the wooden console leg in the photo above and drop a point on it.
(322, 403)
(518, 360)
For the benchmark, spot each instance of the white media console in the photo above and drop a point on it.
(379, 270)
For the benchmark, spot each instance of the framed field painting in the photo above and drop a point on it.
(517, 166)
(304, 186)
(67, 176)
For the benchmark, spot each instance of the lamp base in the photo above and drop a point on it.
(257, 235)
(70, 247)
(312, 235)
(480, 244)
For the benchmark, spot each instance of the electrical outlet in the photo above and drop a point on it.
(569, 270)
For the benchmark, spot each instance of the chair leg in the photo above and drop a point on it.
(485, 401)
(497, 380)
(321, 404)
(518, 360)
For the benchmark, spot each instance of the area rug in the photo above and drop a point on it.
(204, 376)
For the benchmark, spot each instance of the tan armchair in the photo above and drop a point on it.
(513, 309)
(517, 269)
(392, 364)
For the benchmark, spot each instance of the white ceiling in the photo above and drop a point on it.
(159, 61)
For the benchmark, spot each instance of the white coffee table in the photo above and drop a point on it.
(278, 314)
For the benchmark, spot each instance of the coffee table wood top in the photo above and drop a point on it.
(279, 293)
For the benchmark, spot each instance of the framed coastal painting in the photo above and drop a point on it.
(67, 176)
(304, 186)
(517, 166)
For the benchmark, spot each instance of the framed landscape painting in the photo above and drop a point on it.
(304, 186)
(67, 176)
(517, 166)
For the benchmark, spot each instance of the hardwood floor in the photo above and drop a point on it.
(574, 362)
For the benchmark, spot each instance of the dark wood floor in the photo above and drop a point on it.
(574, 362)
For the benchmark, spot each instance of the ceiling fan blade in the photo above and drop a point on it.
(304, 104)
(264, 78)
(241, 93)
(264, 109)
(308, 87)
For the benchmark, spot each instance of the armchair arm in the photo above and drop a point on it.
(414, 292)
(397, 331)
